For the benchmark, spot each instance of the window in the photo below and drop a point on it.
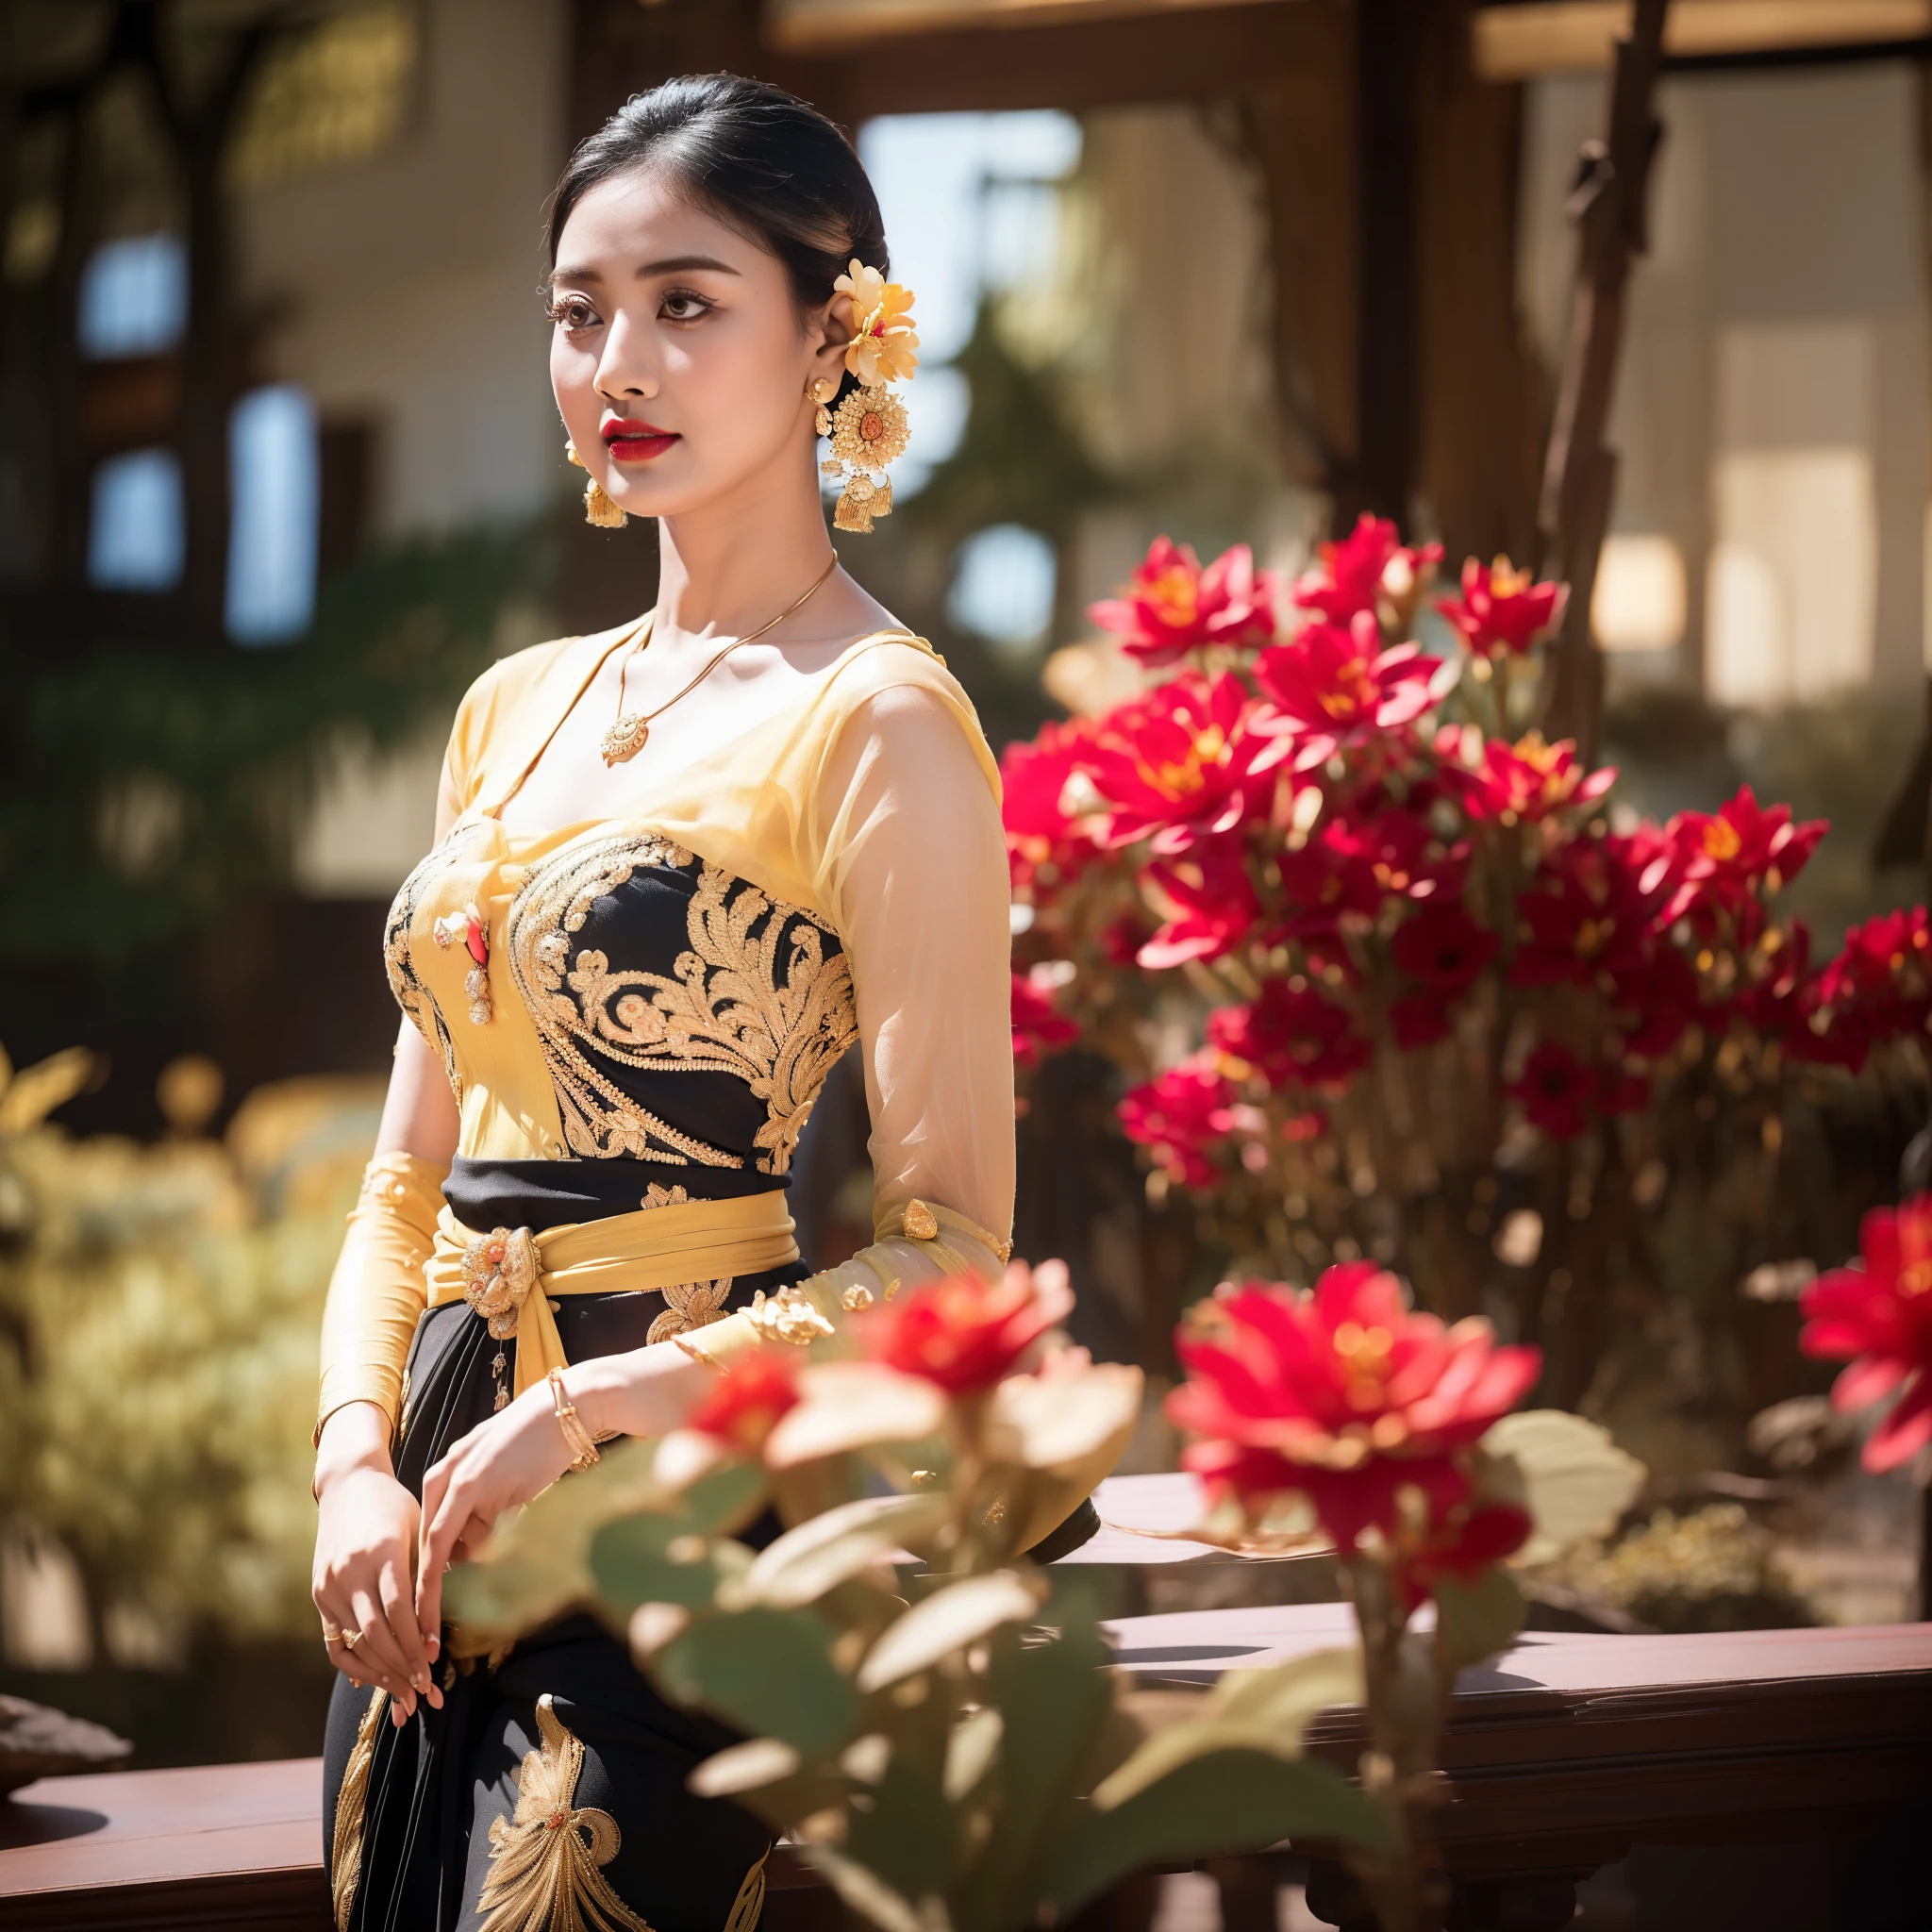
(135, 533)
(134, 297)
(275, 478)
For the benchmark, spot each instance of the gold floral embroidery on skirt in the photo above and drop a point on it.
(543, 1859)
(352, 1801)
(690, 1305)
(750, 1904)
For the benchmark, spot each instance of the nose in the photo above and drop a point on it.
(627, 366)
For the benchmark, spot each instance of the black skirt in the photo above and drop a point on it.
(430, 1835)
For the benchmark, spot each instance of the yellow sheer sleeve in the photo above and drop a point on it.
(912, 866)
(377, 1293)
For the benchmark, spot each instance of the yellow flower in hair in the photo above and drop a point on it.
(883, 337)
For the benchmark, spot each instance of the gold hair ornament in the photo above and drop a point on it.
(869, 429)
(598, 507)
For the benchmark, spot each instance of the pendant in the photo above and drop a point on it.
(624, 739)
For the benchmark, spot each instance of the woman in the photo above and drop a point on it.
(679, 867)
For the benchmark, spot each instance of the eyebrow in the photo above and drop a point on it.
(671, 265)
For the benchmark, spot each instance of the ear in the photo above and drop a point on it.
(832, 329)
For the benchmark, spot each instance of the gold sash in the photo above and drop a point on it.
(653, 1248)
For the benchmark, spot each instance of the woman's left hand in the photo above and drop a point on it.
(501, 1463)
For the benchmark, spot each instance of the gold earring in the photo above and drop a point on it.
(598, 507)
(869, 430)
(821, 390)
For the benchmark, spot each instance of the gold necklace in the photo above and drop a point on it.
(627, 735)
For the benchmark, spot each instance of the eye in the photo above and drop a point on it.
(572, 313)
(684, 304)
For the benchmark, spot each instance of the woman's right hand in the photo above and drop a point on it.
(365, 1561)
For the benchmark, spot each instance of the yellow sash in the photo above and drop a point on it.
(653, 1248)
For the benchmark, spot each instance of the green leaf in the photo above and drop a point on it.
(1566, 1472)
(946, 1621)
(1054, 1700)
(665, 1554)
(1249, 1710)
(1473, 1623)
(1231, 1801)
(804, 1564)
(1051, 1422)
(769, 1672)
(852, 1405)
(906, 1832)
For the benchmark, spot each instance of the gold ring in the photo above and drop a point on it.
(331, 1633)
(350, 1637)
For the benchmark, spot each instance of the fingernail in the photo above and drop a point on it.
(435, 1698)
(421, 1679)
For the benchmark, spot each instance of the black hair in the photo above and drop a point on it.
(765, 162)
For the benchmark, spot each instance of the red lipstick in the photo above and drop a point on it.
(630, 442)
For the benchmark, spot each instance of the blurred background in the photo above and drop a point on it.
(280, 474)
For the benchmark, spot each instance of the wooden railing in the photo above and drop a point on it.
(1561, 1756)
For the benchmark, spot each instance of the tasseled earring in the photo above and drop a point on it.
(598, 507)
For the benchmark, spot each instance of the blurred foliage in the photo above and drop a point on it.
(1711, 1568)
(149, 784)
(158, 1308)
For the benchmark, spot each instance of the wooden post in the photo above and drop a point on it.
(1580, 474)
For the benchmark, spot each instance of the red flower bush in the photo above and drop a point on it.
(965, 1334)
(1349, 871)
(1880, 1315)
(1172, 605)
(1342, 1395)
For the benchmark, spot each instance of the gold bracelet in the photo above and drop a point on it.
(575, 1437)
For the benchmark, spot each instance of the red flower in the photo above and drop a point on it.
(1459, 1544)
(1502, 608)
(1179, 1115)
(1654, 998)
(1881, 1316)
(1420, 1018)
(1522, 783)
(1209, 902)
(1556, 1090)
(1179, 762)
(1443, 948)
(1172, 605)
(1343, 1394)
(1329, 878)
(965, 1334)
(744, 1402)
(1048, 844)
(1366, 569)
(1291, 1033)
(1332, 684)
(1585, 918)
(1880, 985)
(1723, 859)
(1038, 1029)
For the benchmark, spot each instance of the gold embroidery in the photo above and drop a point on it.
(543, 1859)
(499, 1271)
(345, 1839)
(750, 1903)
(415, 999)
(690, 1305)
(856, 1299)
(658, 1195)
(918, 1222)
(769, 1008)
(787, 1316)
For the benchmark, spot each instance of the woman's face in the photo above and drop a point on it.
(678, 359)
